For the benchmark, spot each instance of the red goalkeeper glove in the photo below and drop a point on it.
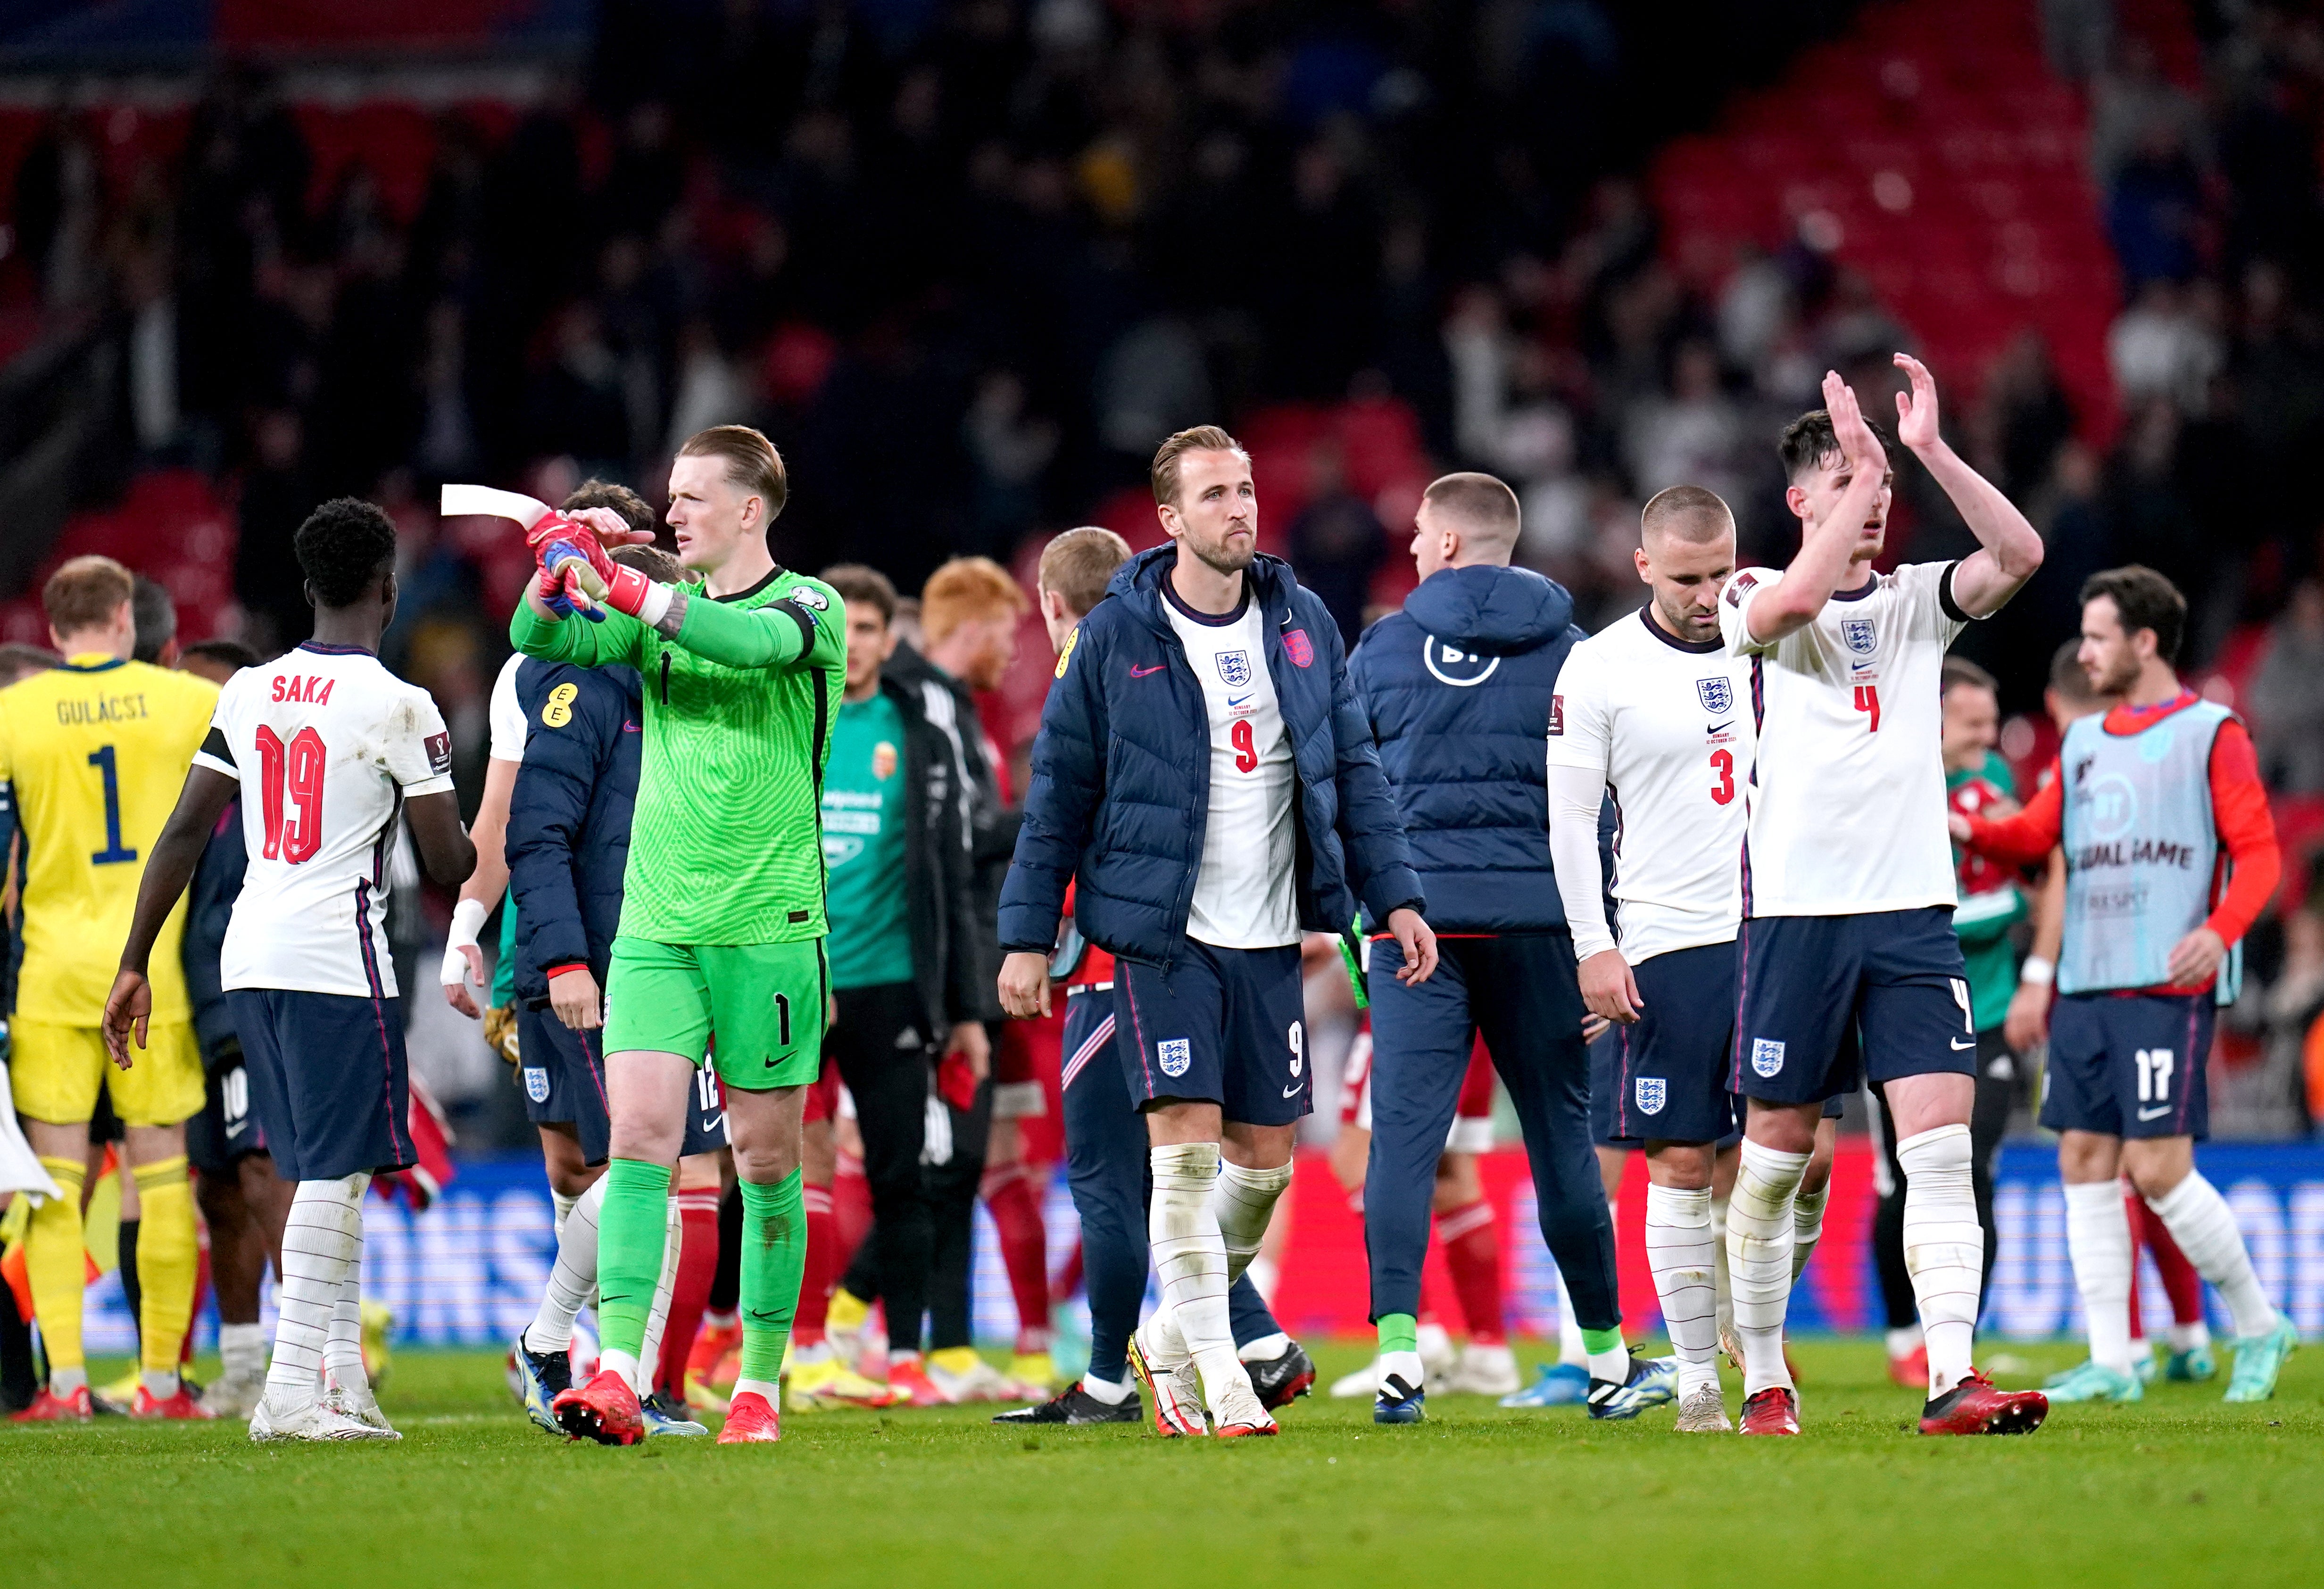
(587, 578)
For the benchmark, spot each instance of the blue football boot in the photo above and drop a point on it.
(1563, 1385)
(1653, 1383)
(1397, 1402)
(539, 1378)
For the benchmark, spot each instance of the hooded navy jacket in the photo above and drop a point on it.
(1457, 690)
(1120, 789)
(568, 823)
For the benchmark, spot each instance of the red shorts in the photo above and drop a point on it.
(1026, 1060)
(1472, 1115)
(823, 1095)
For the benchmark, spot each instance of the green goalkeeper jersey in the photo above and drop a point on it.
(726, 846)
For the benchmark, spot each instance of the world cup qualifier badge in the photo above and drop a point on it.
(1766, 1055)
(1717, 696)
(1176, 1055)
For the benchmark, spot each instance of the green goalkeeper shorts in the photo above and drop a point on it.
(756, 1009)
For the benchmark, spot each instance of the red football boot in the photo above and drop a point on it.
(1912, 1369)
(752, 1420)
(605, 1409)
(1975, 1407)
(1775, 1411)
(180, 1406)
(909, 1386)
(48, 1406)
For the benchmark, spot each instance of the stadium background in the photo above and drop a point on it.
(968, 259)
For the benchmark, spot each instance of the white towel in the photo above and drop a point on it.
(19, 1166)
(460, 500)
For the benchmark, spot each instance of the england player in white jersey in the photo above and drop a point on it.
(1848, 961)
(1656, 710)
(339, 750)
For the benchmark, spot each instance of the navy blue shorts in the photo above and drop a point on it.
(563, 1074)
(1664, 1078)
(328, 1080)
(1223, 1025)
(2130, 1064)
(227, 1131)
(1891, 980)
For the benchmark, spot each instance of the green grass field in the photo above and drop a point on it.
(2177, 1490)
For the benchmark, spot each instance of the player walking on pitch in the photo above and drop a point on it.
(1848, 962)
(1654, 709)
(340, 751)
(1197, 872)
(723, 910)
(2170, 854)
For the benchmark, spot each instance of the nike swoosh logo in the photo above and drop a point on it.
(1138, 673)
(779, 1059)
(2156, 1114)
(1293, 1091)
(1235, 701)
(1959, 1044)
(1714, 728)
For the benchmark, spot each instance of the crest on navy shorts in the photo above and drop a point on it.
(1860, 635)
(1766, 1055)
(1717, 696)
(1175, 1054)
(1234, 667)
(536, 1084)
(1653, 1091)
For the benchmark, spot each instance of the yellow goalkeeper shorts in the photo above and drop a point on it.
(56, 1071)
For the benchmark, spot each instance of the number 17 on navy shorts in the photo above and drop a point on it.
(1222, 1025)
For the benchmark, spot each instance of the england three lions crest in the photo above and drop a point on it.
(1860, 635)
(1717, 696)
(1234, 668)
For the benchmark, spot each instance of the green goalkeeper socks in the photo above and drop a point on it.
(774, 1257)
(630, 1235)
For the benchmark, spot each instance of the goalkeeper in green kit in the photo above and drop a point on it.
(719, 957)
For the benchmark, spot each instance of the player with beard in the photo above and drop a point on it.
(1206, 641)
(2170, 856)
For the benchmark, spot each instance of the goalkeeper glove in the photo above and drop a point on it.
(598, 579)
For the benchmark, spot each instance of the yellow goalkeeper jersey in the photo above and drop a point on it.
(93, 756)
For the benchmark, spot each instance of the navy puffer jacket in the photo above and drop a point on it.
(1121, 776)
(1456, 689)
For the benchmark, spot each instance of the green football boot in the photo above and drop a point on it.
(2259, 1359)
(2094, 1382)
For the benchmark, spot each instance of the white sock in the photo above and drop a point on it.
(64, 1382)
(564, 1206)
(2186, 1337)
(1265, 1276)
(160, 1383)
(241, 1348)
(343, 1364)
(1718, 1248)
(1265, 1349)
(2098, 1239)
(767, 1388)
(1241, 1202)
(2204, 1226)
(1403, 1365)
(657, 1316)
(1901, 1342)
(1106, 1390)
(320, 1233)
(574, 1276)
(1944, 1248)
(1190, 1258)
(1570, 1348)
(1759, 1260)
(1807, 1226)
(625, 1363)
(1680, 1255)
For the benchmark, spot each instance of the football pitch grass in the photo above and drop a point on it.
(2179, 1488)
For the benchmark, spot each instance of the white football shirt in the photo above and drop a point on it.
(328, 745)
(1847, 789)
(1668, 724)
(507, 714)
(1243, 895)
